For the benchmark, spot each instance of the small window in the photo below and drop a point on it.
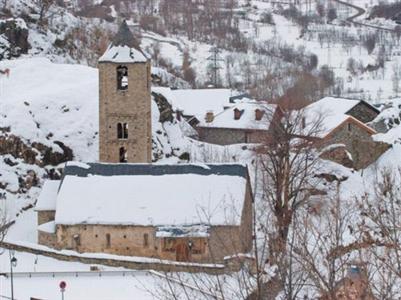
(122, 78)
(123, 155)
(119, 131)
(146, 240)
(122, 131)
(77, 240)
(349, 127)
(108, 240)
(125, 130)
(169, 245)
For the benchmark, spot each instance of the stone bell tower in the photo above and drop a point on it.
(125, 132)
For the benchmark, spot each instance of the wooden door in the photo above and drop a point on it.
(182, 251)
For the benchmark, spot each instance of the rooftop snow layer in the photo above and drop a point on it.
(48, 195)
(330, 113)
(49, 227)
(247, 120)
(123, 54)
(198, 102)
(152, 195)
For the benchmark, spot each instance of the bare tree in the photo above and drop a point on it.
(326, 224)
(44, 6)
(381, 228)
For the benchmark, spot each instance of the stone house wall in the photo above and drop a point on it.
(45, 216)
(363, 112)
(358, 142)
(131, 106)
(229, 136)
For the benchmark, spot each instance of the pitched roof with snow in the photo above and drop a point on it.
(247, 117)
(48, 195)
(124, 48)
(146, 194)
(331, 112)
(198, 102)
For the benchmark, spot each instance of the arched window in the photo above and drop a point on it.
(123, 155)
(119, 131)
(122, 78)
(125, 130)
(122, 131)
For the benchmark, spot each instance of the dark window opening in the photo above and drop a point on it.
(123, 155)
(349, 127)
(146, 240)
(108, 240)
(77, 240)
(169, 245)
(122, 131)
(119, 131)
(122, 78)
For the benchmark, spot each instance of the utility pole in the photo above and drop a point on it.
(214, 66)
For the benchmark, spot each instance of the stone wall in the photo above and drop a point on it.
(47, 239)
(45, 216)
(229, 136)
(131, 106)
(358, 142)
(124, 263)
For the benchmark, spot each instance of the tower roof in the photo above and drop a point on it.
(124, 48)
(124, 37)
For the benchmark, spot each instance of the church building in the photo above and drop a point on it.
(126, 205)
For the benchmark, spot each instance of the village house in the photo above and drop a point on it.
(197, 213)
(343, 133)
(194, 104)
(246, 122)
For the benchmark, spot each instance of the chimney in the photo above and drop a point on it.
(178, 114)
(237, 113)
(258, 114)
(209, 117)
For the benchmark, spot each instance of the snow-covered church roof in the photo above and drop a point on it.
(124, 48)
(146, 194)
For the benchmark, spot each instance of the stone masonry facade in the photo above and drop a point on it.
(131, 106)
(358, 141)
(229, 136)
(46, 216)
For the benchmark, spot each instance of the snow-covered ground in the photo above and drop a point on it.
(39, 277)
